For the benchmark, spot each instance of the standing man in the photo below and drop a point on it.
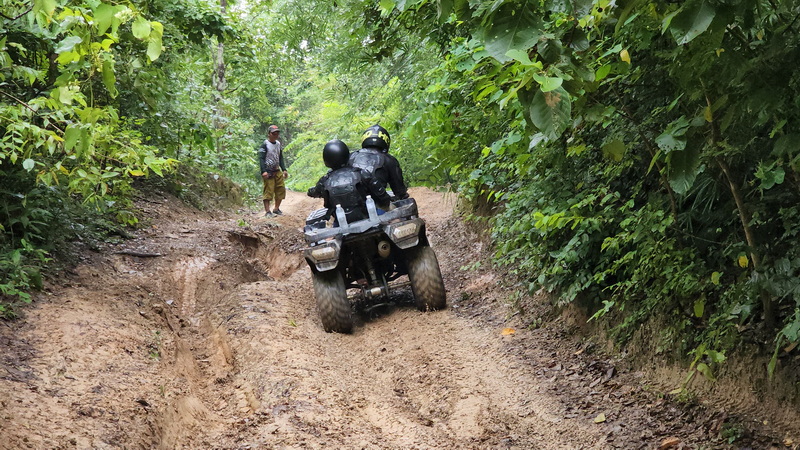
(273, 171)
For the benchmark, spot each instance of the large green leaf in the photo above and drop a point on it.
(104, 17)
(512, 27)
(674, 137)
(109, 78)
(614, 149)
(154, 44)
(67, 44)
(550, 112)
(71, 137)
(691, 21)
(154, 49)
(684, 166)
(444, 8)
(141, 28)
(547, 84)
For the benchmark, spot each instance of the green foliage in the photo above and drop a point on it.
(71, 75)
(638, 156)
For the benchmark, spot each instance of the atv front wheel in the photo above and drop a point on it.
(332, 304)
(426, 279)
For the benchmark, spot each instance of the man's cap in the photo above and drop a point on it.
(273, 128)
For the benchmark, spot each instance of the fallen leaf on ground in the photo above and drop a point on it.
(669, 442)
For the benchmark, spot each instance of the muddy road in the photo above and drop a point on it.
(202, 333)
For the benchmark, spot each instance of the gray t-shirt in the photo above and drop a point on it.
(272, 156)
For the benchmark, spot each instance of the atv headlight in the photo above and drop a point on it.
(403, 231)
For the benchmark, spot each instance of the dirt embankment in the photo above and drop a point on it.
(201, 333)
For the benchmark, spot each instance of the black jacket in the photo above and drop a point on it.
(383, 166)
(349, 187)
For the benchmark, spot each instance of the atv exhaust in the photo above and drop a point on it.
(376, 292)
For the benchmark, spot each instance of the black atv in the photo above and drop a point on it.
(365, 259)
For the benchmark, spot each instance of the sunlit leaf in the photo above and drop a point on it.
(614, 150)
(141, 28)
(743, 261)
(520, 55)
(707, 114)
(386, 7)
(67, 44)
(716, 357)
(103, 17)
(699, 307)
(602, 72)
(154, 49)
(547, 84)
(705, 370)
(669, 142)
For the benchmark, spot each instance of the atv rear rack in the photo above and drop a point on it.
(316, 232)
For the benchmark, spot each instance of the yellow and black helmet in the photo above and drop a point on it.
(376, 136)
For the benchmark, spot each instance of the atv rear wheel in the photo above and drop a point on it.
(332, 304)
(426, 279)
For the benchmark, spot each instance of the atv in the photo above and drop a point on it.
(365, 259)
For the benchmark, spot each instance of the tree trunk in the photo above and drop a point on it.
(220, 83)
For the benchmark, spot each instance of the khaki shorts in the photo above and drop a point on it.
(274, 188)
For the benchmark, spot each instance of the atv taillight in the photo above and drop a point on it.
(403, 231)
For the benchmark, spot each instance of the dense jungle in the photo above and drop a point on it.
(612, 187)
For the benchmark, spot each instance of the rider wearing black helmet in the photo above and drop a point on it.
(346, 186)
(374, 158)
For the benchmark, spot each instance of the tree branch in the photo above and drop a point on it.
(30, 8)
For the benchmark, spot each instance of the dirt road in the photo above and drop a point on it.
(201, 333)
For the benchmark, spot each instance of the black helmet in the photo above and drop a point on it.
(376, 136)
(335, 154)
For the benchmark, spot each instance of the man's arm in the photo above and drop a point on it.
(318, 190)
(262, 151)
(376, 190)
(396, 177)
(280, 158)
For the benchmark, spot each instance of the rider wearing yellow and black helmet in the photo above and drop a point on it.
(374, 158)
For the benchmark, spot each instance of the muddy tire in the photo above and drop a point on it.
(332, 304)
(426, 279)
